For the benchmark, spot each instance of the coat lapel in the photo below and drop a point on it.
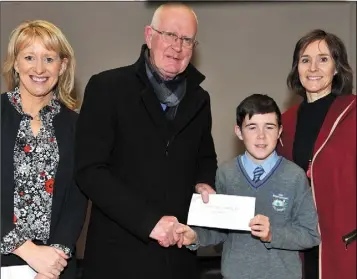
(186, 111)
(155, 112)
(63, 140)
(337, 107)
(191, 103)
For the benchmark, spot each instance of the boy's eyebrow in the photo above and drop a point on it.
(251, 124)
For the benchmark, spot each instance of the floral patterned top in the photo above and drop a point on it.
(35, 164)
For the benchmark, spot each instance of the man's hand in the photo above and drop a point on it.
(204, 190)
(164, 231)
(260, 226)
(189, 236)
(46, 260)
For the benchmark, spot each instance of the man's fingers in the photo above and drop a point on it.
(211, 190)
(164, 243)
(181, 229)
(205, 196)
(205, 190)
(180, 241)
(176, 235)
(170, 236)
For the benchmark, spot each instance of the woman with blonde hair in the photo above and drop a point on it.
(42, 209)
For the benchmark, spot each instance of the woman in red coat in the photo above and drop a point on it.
(320, 136)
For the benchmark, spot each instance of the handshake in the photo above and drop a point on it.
(168, 232)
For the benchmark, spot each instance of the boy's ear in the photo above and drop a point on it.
(280, 130)
(238, 132)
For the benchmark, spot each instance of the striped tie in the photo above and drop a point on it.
(257, 174)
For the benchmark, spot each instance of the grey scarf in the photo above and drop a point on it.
(169, 92)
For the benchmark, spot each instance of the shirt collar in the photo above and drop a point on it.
(267, 165)
(52, 108)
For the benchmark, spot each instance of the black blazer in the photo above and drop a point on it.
(136, 167)
(69, 203)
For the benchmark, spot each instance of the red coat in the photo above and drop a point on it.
(333, 182)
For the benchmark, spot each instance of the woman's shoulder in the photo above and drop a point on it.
(4, 97)
(345, 102)
(66, 120)
(5, 102)
(347, 98)
(68, 113)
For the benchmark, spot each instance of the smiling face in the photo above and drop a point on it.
(38, 69)
(260, 135)
(171, 59)
(316, 68)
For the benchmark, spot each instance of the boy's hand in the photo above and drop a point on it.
(260, 226)
(189, 236)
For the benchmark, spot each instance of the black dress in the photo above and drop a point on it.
(309, 121)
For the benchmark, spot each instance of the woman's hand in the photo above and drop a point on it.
(46, 260)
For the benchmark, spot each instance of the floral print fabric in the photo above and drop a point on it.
(35, 164)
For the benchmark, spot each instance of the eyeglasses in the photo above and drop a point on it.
(170, 38)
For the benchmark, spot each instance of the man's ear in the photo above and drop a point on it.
(148, 35)
(238, 132)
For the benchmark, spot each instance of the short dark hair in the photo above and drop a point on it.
(257, 104)
(342, 83)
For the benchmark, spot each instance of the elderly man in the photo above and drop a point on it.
(144, 146)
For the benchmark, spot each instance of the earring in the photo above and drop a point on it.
(17, 78)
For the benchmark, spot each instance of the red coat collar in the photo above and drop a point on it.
(290, 119)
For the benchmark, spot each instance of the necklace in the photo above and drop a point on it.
(36, 117)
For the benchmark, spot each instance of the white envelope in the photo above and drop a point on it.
(222, 211)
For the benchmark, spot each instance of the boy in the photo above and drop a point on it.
(286, 219)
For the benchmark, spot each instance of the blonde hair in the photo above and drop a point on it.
(53, 39)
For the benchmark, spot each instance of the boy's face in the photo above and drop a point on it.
(260, 135)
